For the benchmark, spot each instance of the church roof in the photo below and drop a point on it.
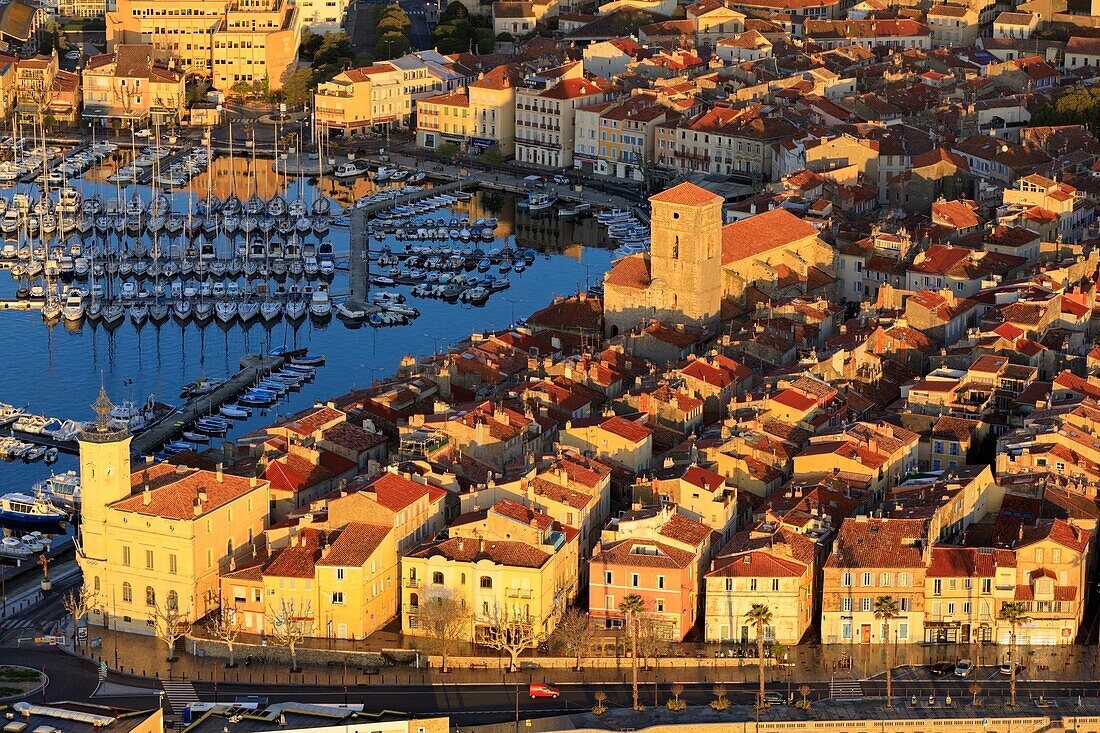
(629, 272)
(686, 194)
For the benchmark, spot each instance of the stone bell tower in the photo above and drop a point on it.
(104, 478)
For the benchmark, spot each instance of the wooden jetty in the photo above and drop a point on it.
(32, 176)
(408, 198)
(253, 367)
(62, 446)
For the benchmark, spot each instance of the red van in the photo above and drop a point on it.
(539, 689)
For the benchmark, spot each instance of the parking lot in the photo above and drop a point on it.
(923, 673)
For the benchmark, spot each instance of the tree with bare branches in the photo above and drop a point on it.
(444, 621)
(288, 626)
(78, 602)
(225, 626)
(576, 635)
(513, 634)
(170, 625)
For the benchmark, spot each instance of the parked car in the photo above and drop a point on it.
(561, 180)
(1006, 668)
(541, 689)
(146, 132)
(941, 669)
(964, 668)
(73, 55)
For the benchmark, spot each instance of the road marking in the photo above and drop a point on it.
(181, 693)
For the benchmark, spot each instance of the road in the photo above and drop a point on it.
(417, 11)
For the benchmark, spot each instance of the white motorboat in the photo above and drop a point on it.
(320, 305)
(74, 307)
(350, 170)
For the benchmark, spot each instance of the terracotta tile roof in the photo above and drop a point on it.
(352, 437)
(762, 233)
(644, 553)
(1055, 530)
(560, 494)
(629, 272)
(879, 543)
(173, 491)
(968, 562)
(626, 429)
(685, 529)
(501, 552)
(757, 564)
(686, 194)
(354, 545)
(395, 492)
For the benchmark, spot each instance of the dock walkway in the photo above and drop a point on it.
(253, 367)
(32, 176)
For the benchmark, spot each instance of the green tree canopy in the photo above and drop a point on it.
(454, 9)
(1078, 106)
(298, 87)
(391, 45)
(334, 46)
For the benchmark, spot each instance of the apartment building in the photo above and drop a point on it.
(444, 119)
(871, 558)
(153, 542)
(341, 584)
(620, 139)
(657, 554)
(724, 141)
(131, 87)
(1057, 200)
(228, 41)
(544, 114)
(769, 564)
(508, 563)
(964, 590)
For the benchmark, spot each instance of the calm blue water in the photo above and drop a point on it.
(57, 370)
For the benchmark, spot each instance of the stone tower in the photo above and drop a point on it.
(104, 478)
(686, 255)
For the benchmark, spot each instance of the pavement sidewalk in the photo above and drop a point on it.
(146, 656)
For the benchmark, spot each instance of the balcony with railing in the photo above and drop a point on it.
(518, 592)
(412, 583)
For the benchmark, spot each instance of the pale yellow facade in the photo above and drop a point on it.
(228, 42)
(480, 567)
(137, 561)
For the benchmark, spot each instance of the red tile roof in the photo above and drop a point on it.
(174, 490)
(762, 233)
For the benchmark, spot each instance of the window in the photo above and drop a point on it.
(150, 596)
(905, 604)
(1056, 555)
(905, 579)
(486, 581)
(148, 559)
(437, 579)
(937, 586)
(846, 631)
(846, 580)
(338, 597)
(903, 631)
(864, 604)
(609, 603)
(173, 600)
(660, 581)
(846, 605)
(729, 585)
(172, 567)
(865, 581)
(987, 585)
(659, 605)
(775, 584)
(607, 577)
(1038, 554)
(634, 579)
(126, 555)
(886, 580)
(127, 593)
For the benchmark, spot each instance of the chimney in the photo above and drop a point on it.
(146, 496)
(221, 479)
(197, 507)
(202, 495)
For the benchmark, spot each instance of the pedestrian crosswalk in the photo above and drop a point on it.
(845, 690)
(181, 693)
(19, 623)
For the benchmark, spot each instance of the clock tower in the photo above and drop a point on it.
(104, 479)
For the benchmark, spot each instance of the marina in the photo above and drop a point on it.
(155, 352)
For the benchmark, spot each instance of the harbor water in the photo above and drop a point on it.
(56, 369)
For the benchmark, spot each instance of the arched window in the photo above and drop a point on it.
(127, 593)
(95, 584)
(173, 601)
(414, 600)
(437, 578)
(150, 596)
(486, 581)
(229, 548)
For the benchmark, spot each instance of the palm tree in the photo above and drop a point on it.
(632, 605)
(886, 610)
(760, 615)
(1013, 614)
